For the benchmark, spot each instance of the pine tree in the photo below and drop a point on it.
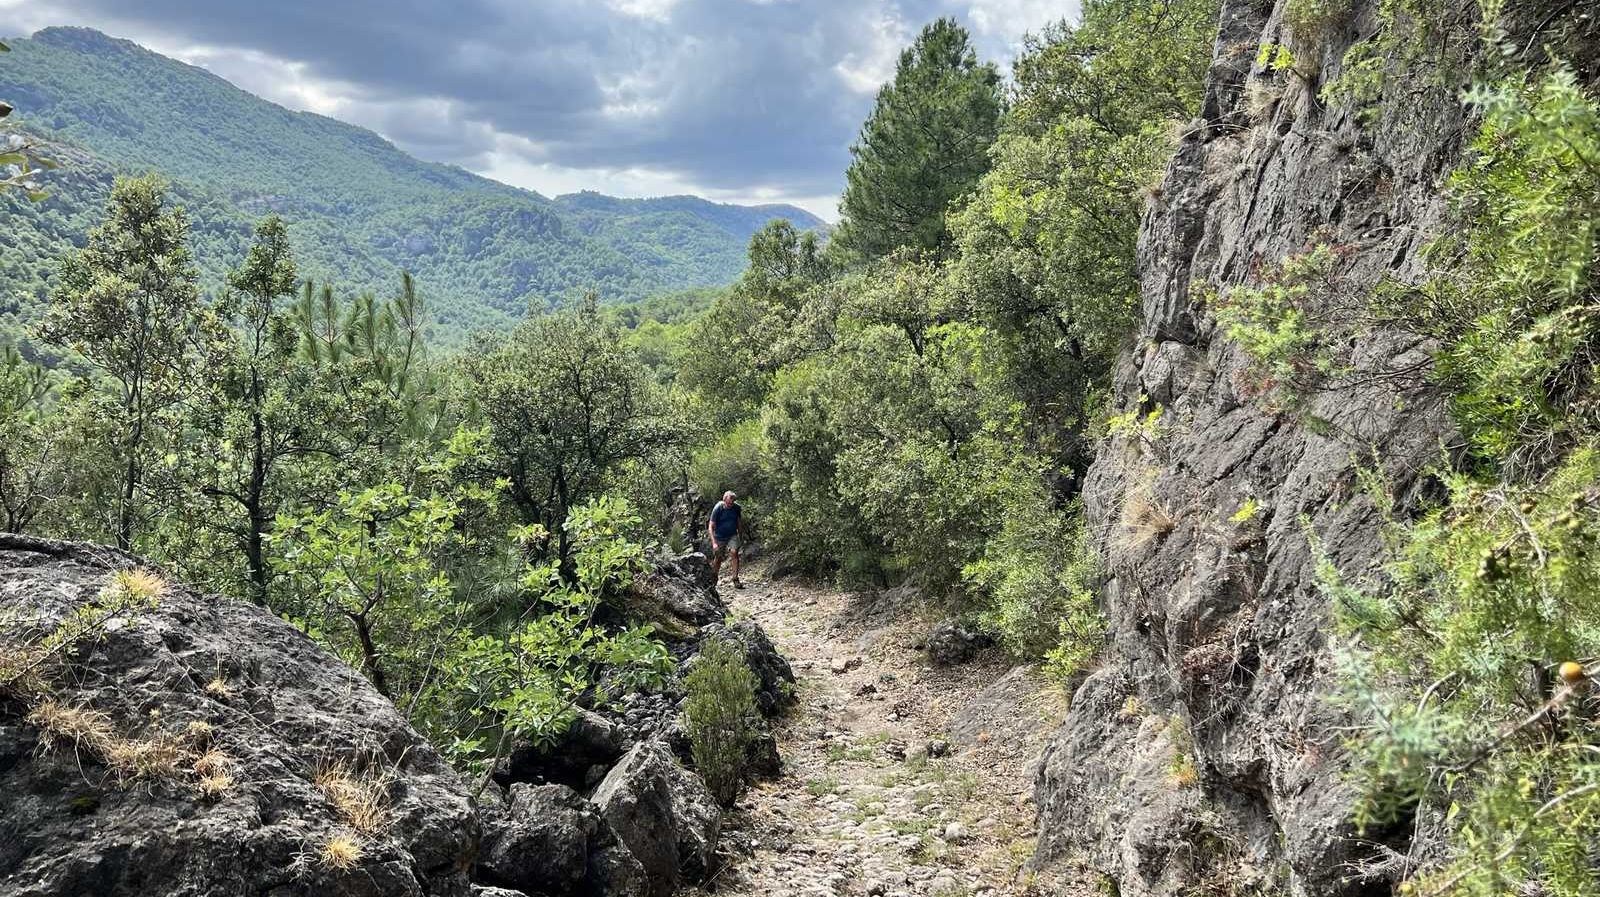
(925, 144)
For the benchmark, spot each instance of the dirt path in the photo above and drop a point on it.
(900, 779)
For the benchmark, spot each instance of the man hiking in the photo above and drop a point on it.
(725, 527)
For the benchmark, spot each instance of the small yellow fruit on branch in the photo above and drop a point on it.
(1572, 673)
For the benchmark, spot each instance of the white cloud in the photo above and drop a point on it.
(284, 83)
(866, 70)
(659, 10)
(1003, 22)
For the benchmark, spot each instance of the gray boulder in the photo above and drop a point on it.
(549, 839)
(677, 596)
(201, 674)
(692, 566)
(588, 747)
(664, 814)
(955, 641)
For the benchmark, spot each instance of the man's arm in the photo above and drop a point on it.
(711, 528)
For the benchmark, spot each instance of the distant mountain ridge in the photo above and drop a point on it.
(359, 208)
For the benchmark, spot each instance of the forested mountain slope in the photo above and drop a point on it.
(359, 208)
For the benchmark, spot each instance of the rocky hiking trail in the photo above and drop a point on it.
(900, 778)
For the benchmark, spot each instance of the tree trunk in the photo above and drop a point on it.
(255, 557)
(369, 655)
(130, 488)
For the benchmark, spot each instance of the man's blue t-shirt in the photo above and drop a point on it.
(725, 520)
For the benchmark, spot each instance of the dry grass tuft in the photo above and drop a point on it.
(213, 772)
(1182, 772)
(160, 757)
(155, 758)
(138, 586)
(214, 785)
(1143, 519)
(219, 688)
(199, 733)
(341, 852)
(79, 727)
(1261, 99)
(212, 762)
(87, 729)
(360, 797)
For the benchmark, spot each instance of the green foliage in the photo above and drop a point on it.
(256, 420)
(921, 413)
(524, 679)
(925, 144)
(1312, 22)
(1471, 656)
(568, 408)
(1287, 323)
(1046, 248)
(359, 209)
(39, 457)
(128, 303)
(732, 460)
(1486, 596)
(1428, 43)
(1275, 58)
(1038, 577)
(809, 519)
(720, 717)
(755, 328)
(879, 445)
(371, 577)
(1516, 308)
(301, 448)
(368, 573)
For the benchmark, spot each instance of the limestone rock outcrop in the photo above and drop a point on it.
(1203, 749)
(201, 747)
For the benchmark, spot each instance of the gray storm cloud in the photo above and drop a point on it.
(729, 97)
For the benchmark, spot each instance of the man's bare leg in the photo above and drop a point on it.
(736, 582)
(716, 567)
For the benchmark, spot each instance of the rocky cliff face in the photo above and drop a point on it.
(155, 741)
(1202, 753)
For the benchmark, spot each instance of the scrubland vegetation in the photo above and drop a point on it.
(915, 399)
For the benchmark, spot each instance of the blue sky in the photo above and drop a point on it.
(736, 100)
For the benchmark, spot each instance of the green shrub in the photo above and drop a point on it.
(1471, 658)
(1286, 325)
(1037, 578)
(1516, 311)
(1312, 22)
(731, 461)
(1454, 662)
(721, 717)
